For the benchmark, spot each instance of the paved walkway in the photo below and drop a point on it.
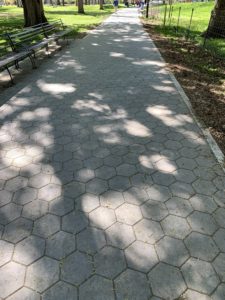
(108, 189)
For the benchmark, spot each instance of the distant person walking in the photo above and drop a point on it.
(116, 4)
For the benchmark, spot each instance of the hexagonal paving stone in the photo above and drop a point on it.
(132, 285)
(163, 178)
(76, 268)
(112, 160)
(59, 291)
(219, 198)
(191, 295)
(141, 256)
(154, 210)
(91, 240)
(25, 294)
(87, 202)
(219, 182)
(136, 196)
(200, 276)
(74, 222)
(140, 180)
(102, 217)
(39, 180)
(105, 172)
(219, 293)
(109, 262)
(16, 183)
(35, 209)
(46, 225)
(201, 246)
(96, 186)
(11, 278)
(29, 250)
(176, 227)
(219, 238)
(119, 183)
(219, 265)
(6, 251)
(120, 235)
(84, 175)
(61, 206)
(49, 192)
(17, 230)
(25, 195)
(182, 190)
(126, 170)
(202, 222)
(96, 288)
(74, 189)
(111, 199)
(219, 215)
(204, 187)
(166, 281)
(63, 156)
(9, 212)
(186, 163)
(93, 163)
(203, 203)
(179, 207)
(6, 197)
(172, 251)
(159, 193)
(184, 175)
(128, 213)
(60, 245)
(148, 231)
(166, 165)
(42, 274)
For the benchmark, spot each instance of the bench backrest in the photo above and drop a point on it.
(5, 47)
(49, 28)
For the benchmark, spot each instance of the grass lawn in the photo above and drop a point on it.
(11, 17)
(200, 20)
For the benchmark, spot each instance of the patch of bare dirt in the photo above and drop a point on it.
(201, 75)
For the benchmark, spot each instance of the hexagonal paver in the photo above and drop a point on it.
(105, 172)
(163, 178)
(84, 175)
(63, 156)
(42, 274)
(154, 210)
(202, 222)
(87, 202)
(176, 227)
(74, 222)
(219, 293)
(93, 163)
(132, 285)
(74, 189)
(219, 238)
(97, 288)
(17, 230)
(200, 276)
(6, 197)
(184, 175)
(219, 265)
(172, 251)
(165, 165)
(29, 250)
(90, 240)
(112, 160)
(11, 278)
(9, 212)
(35, 209)
(219, 215)
(204, 187)
(203, 203)
(159, 193)
(6, 251)
(46, 225)
(140, 180)
(120, 235)
(49, 192)
(25, 195)
(182, 190)
(191, 295)
(76, 268)
(60, 245)
(61, 290)
(136, 196)
(148, 231)
(179, 207)
(141, 256)
(186, 163)
(39, 180)
(61, 206)
(111, 199)
(16, 183)
(201, 246)
(128, 214)
(166, 281)
(119, 183)
(102, 217)
(96, 186)
(126, 170)
(109, 262)
(25, 294)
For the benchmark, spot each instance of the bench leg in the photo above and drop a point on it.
(17, 65)
(11, 78)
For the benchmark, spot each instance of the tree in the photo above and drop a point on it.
(216, 26)
(101, 2)
(33, 12)
(80, 4)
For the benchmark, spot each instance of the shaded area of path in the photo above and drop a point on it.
(108, 189)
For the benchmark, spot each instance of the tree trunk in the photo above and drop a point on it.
(80, 6)
(101, 2)
(216, 26)
(33, 12)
